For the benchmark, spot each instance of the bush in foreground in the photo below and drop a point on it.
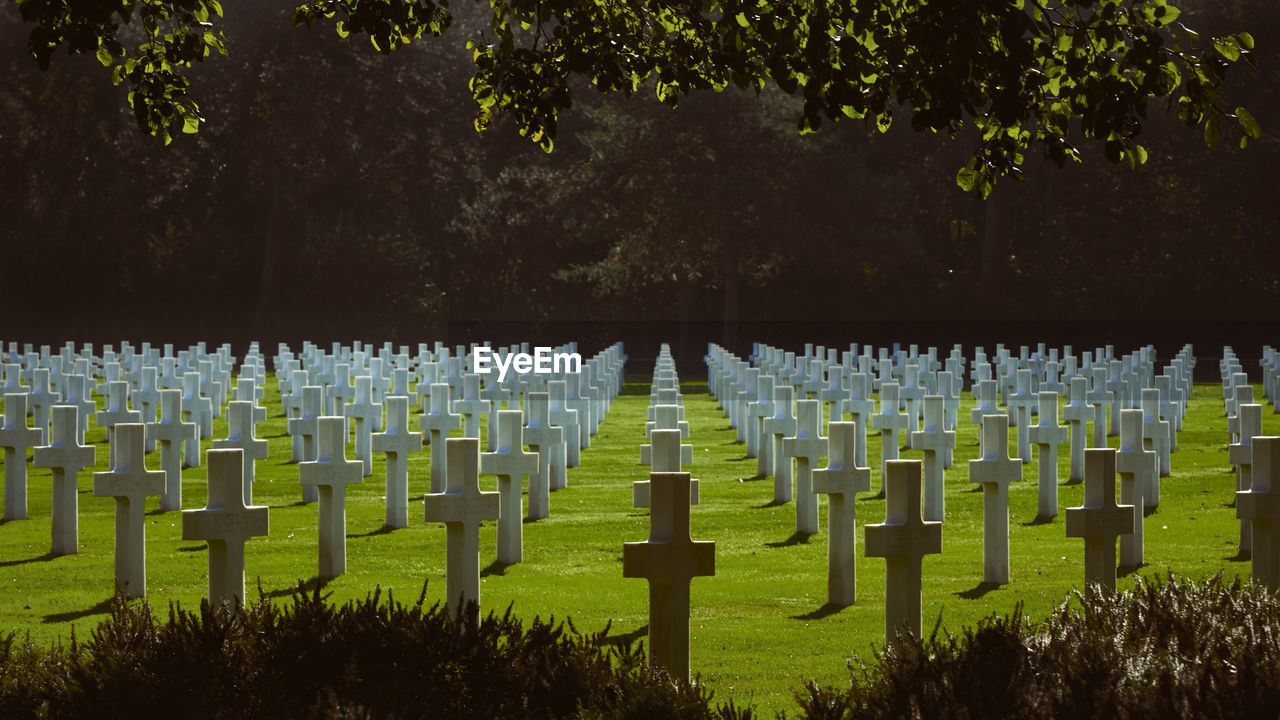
(366, 659)
(1171, 648)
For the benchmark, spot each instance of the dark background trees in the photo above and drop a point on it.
(334, 192)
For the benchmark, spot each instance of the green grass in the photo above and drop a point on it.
(759, 627)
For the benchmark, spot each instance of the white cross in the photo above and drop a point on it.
(561, 416)
(248, 391)
(1260, 506)
(16, 438)
(226, 523)
(806, 446)
(1100, 398)
(995, 470)
(669, 560)
(67, 458)
(781, 425)
(541, 434)
(171, 433)
(436, 424)
(1047, 435)
(471, 406)
(860, 406)
(240, 436)
(397, 442)
(510, 463)
(935, 441)
(1136, 468)
(197, 409)
(329, 474)
(366, 414)
(129, 482)
(462, 507)
(757, 413)
(1155, 436)
(888, 421)
(40, 399)
(1077, 413)
(903, 539)
(1100, 520)
(1021, 403)
(1240, 454)
(668, 455)
(840, 481)
(498, 397)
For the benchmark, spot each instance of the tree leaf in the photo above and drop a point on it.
(1212, 134)
(1248, 124)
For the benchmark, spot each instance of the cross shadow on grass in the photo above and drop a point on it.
(1071, 482)
(102, 607)
(978, 591)
(627, 638)
(770, 504)
(1124, 571)
(384, 530)
(826, 610)
(497, 567)
(753, 478)
(305, 587)
(1240, 556)
(194, 548)
(1039, 520)
(39, 558)
(1148, 510)
(797, 538)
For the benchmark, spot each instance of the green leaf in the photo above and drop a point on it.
(1227, 48)
(1245, 40)
(742, 19)
(967, 177)
(191, 124)
(1248, 124)
(1212, 133)
(104, 55)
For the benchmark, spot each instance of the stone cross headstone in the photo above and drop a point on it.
(130, 482)
(247, 390)
(240, 436)
(1136, 468)
(1077, 413)
(666, 418)
(889, 422)
(226, 523)
(1022, 403)
(994, 470)
(541, 434)
(366, 414)
(67, 458)
(860, 407)
(806, 447)
(561, 415)
(462, 507)
(171, 433)
(781, 425)
(330, 474)
(1260, 506)
(1240, 454)
(1100, 398)
(1155, 436)
(307, 426)
(435, 425)
(1047, 435)
(1100, 520)
(16, 438)
(669, 560)
(840, 481)
(667, 455)
(936, 442)
(510, 463)
(903, 539)
(397, 442)
(470, 406)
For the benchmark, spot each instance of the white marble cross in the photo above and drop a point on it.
(1136, 468)
(668, 455)
(1047, 435)
(226, 523)
(292, 405)
(936, 442)
(1021, 404)
(903, 539)
(435, 425)
(889, 422)
(40, 399)
(16, 438)
(1240, 454)
(758, 412)
(74, 393)
(860, 406)
(1155, 436)
(995, 470)
(666, 418)
(462, 507)
(910, 394)
(1077, 413)
(397, 442)
(499, 397)
(806, 447)
(171, 433)
(562, 416)
(198, 409)
(781, 425)
(1100, 520)
(1100, 398)
(669, 560)
(67, 458)
(366, 414)
(240, 436)
(840, 481)
(539, 433)
(510, 463)
(470, 406)
(1260, 506)
(130, 482)
(330, 474)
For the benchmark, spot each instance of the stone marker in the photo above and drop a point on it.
(1047, 435)
(307, 426)
(840, 481)
(541, 434)
(240, 436)
(936, 442)
(436, 424)
(860, 407)
(1021, 404)
(888, 421)
(367, 415)
(470, 406)
(1240, 454)
(1099, 398)
(781, 425)
(171, 433)
(903, 539)
(562, 416)
(1100, 520)
(397, 442)
(1260, 505)
(1077, 413)
(806, 446)
(510, 463)
(668, 456)
(67, 458)
(1136, 469)
(995, 470)
(462, 507)
(666, 417)
(669, 560)
(16, 438)
(130, 482)
(226, 523)
(40, 399)
(116, 412)
(1155, 436)
(330, 474)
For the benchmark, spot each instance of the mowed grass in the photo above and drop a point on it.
(760, 626)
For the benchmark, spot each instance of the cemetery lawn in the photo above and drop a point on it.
(759, 627)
